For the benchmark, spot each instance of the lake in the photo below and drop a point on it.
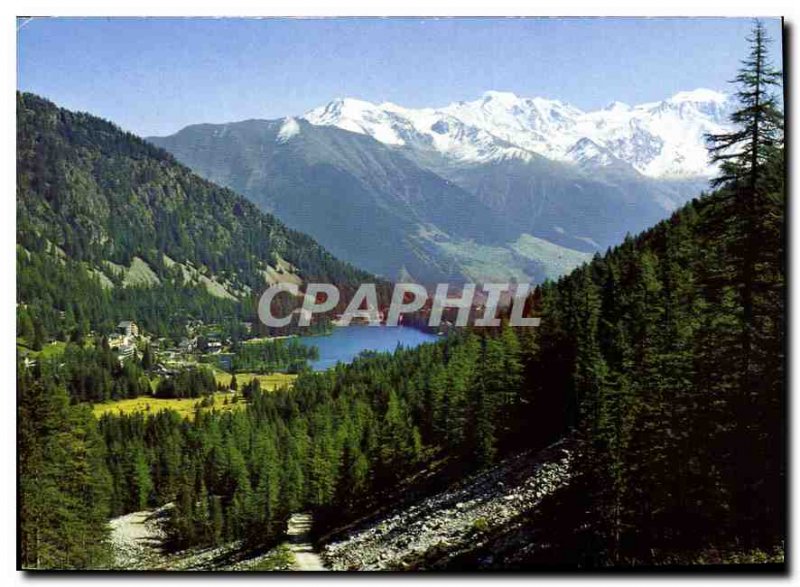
(345, 343)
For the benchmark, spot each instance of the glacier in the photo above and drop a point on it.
(663, 139)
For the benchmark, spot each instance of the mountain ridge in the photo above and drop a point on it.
(663, 139)
(123, 218)
(362, 200)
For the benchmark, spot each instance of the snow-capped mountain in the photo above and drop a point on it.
(659, 139)
(462, 192)
(425, 128)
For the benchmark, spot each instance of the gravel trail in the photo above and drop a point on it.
(306, 558)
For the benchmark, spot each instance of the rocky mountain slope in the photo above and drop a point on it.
(138, 539)
(433, 531)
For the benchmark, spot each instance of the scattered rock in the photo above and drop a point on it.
(444, 523)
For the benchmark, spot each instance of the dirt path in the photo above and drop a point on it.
(137, 544)
(136, 539)
(306, 558)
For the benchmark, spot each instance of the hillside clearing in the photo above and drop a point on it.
(269, 382)
(223, 401)
(184, 406)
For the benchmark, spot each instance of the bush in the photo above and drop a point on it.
(480, 525)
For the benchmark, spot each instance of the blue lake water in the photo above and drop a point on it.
(345, 343)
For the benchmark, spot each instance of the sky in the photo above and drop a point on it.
(155, 76)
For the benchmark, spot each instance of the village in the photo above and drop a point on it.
(203, 343)
(204, 349)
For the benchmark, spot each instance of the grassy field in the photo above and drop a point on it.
(555, 260)
(184, 407)
(526, 258)
(49, 351)
(268, 382)
(263, 339)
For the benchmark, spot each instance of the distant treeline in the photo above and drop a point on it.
(284, 355)
(187, 383)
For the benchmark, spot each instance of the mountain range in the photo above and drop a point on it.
(501, 188)
(658, 139)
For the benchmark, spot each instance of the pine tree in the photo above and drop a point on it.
(65, 487)
(217, 521)
(743, 156)
(147, 358)
(746, 214)
(140, 480)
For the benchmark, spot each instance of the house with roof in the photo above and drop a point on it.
(128, 328)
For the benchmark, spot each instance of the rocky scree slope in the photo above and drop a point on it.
(436, 529)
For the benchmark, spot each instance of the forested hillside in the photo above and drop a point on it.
(110, 227)
(668, 357)
(679, 410)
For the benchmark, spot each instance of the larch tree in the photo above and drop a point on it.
(744, 155)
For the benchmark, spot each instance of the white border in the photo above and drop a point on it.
(306, 8)
(403, 8)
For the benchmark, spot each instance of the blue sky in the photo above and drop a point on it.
(155, 76)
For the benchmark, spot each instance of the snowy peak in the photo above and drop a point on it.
(289, 129)
(587, 153)
(700, 95)
(357, 116)
(617, 107)
(508, 98)
(658, 139)
(514, 119)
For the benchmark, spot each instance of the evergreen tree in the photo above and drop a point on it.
(746, 216)
(65, 487)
